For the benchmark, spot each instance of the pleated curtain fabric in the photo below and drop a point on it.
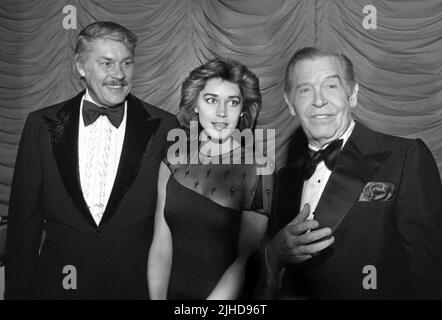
(398, 64)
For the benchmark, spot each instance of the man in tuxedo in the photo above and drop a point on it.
(357, 214)
(85, 178)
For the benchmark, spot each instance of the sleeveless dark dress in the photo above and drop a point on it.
(203, 211)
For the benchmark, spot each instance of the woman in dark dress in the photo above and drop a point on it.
(213, 201)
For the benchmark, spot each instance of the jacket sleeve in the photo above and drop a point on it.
(265, 280)
(419, 221)
(25, 218)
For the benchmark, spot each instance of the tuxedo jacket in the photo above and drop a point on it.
(78, 259)
(383, 202)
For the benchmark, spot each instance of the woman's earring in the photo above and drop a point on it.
(241, 120)
(196, 110)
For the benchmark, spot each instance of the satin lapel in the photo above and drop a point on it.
(353, 170)
(140, 127)
(63, 133)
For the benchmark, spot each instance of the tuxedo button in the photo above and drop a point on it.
(98, 234)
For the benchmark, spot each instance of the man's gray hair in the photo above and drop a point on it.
(311, 53)
(104, 30)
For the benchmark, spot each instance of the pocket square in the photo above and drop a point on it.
(377, 191)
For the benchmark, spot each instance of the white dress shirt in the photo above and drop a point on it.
(99, 151)
(313, 187)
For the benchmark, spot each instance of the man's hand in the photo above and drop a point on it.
(293, 244)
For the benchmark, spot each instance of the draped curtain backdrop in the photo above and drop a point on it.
(398, 65)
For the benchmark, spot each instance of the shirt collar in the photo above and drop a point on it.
(88, 97)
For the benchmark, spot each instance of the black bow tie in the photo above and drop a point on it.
(91, 112)
(328, 155)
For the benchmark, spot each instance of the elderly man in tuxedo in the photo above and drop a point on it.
(357, 214)
(85, 177)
